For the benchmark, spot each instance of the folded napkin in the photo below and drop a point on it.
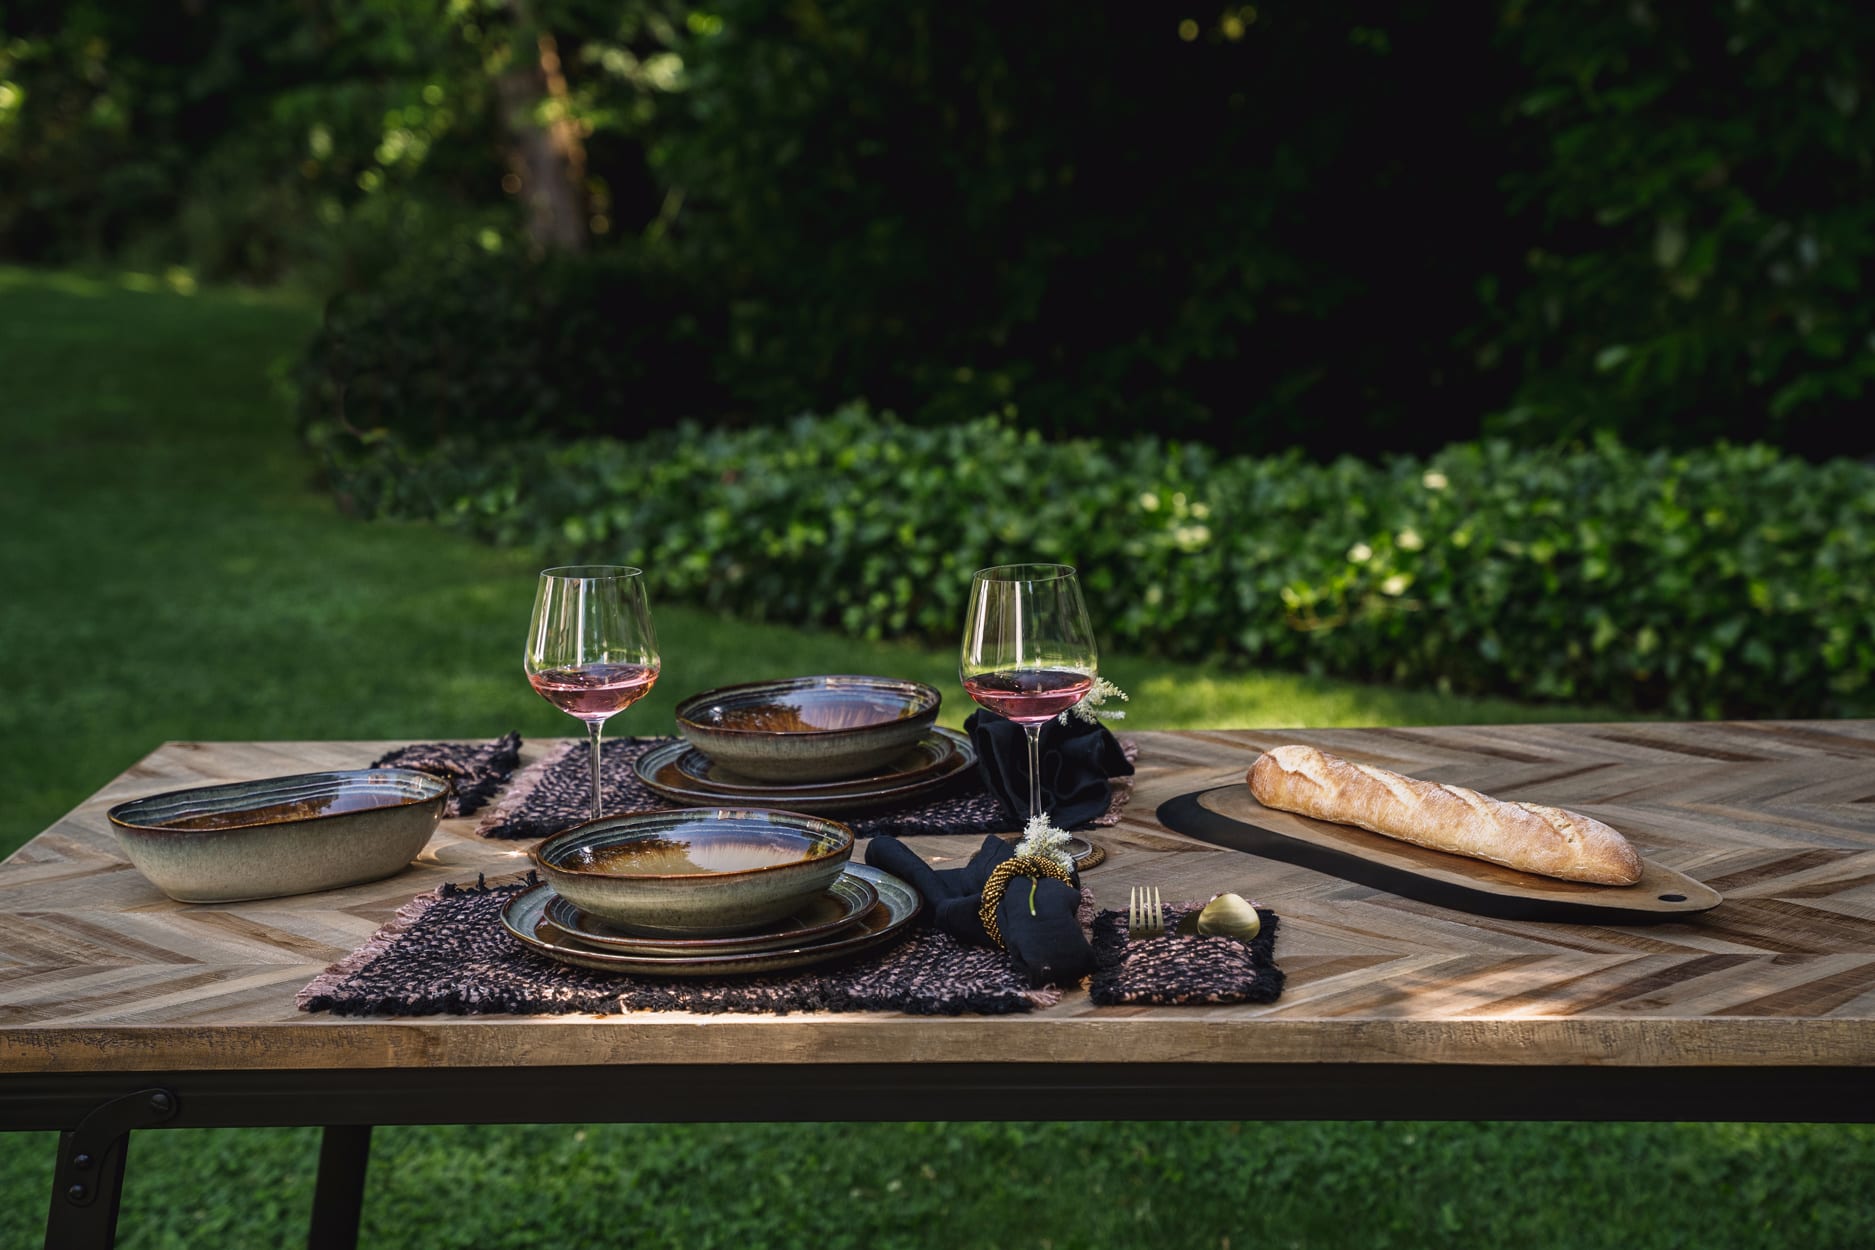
(1039, 918)
(1076, 761)
(475, 769)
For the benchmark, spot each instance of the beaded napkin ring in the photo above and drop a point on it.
(1036, 866)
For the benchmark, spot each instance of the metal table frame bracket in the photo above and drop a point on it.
(89, 1177)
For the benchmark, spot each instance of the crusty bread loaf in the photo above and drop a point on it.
(1524, 836)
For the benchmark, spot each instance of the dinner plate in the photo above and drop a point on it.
(934, 752)
(897, 907)
(849, 898)
(659, 769)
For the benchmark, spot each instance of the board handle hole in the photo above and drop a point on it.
(1673, 898)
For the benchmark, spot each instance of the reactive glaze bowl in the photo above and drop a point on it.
(281, 835)
(698, 872)
(808, 728)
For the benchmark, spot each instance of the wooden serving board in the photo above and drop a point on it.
(1230, 816)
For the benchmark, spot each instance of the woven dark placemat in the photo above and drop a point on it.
(555, 793)
(476, 769)
(446, 953)
(1183, 971)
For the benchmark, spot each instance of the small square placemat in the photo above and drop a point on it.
(1183, 971)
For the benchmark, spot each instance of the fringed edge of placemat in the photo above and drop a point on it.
(477, 794)
(521, 788)
(324, 986)
(490, 764)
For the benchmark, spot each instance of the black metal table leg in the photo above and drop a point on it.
(84, 1212)
(339, 1198)
(88, 1179)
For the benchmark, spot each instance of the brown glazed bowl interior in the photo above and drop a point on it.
(698, 872)
(280, 835)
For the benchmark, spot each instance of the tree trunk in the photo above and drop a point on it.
(548, 157)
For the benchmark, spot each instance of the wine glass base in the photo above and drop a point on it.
(1085, 852)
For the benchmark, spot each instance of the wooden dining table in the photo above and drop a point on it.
(122, 1010)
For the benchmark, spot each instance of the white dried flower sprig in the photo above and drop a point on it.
(1089, 709)
(1041, 838)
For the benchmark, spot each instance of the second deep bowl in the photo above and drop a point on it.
(280, 835)
(808, 728)
(698, 872)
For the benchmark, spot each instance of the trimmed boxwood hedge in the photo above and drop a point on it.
(1726, 581)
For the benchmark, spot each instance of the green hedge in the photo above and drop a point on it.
(1734, 580)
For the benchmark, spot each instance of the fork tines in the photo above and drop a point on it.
(1145, 914)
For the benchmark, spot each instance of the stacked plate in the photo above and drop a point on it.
(863, 909)
(680, 772)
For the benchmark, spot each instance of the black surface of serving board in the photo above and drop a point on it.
(1230, 816)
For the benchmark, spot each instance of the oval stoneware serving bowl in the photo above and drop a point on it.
(808, 728)
(695, 872)
(281, 835)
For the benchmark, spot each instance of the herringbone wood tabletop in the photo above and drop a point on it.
(99, 971)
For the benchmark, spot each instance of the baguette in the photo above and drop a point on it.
(1524, 836)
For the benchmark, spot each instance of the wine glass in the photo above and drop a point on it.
(1028, 651)
(591, 651)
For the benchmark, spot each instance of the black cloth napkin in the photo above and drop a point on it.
(1076, 760)
(1041, 927)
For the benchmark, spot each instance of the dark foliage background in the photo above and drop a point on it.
(1069, 207)
(1692, 187)
(1367, 227)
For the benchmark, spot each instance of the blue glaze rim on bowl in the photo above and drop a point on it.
(926, 700)
(417, 788)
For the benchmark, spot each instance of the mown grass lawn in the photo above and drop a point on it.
(172, 571)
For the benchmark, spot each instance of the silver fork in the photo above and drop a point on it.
(1145, 915)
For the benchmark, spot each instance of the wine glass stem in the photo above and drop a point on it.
(593, 729)
(1035, 769)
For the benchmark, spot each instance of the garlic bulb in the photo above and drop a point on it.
(1229, 915)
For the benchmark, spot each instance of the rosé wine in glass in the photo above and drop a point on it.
(591, 651)
(594, 691)
(1029, 696)
(1028, 651)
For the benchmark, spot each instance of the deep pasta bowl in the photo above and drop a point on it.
(280, 835)
(808, 728)
(697, 872)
